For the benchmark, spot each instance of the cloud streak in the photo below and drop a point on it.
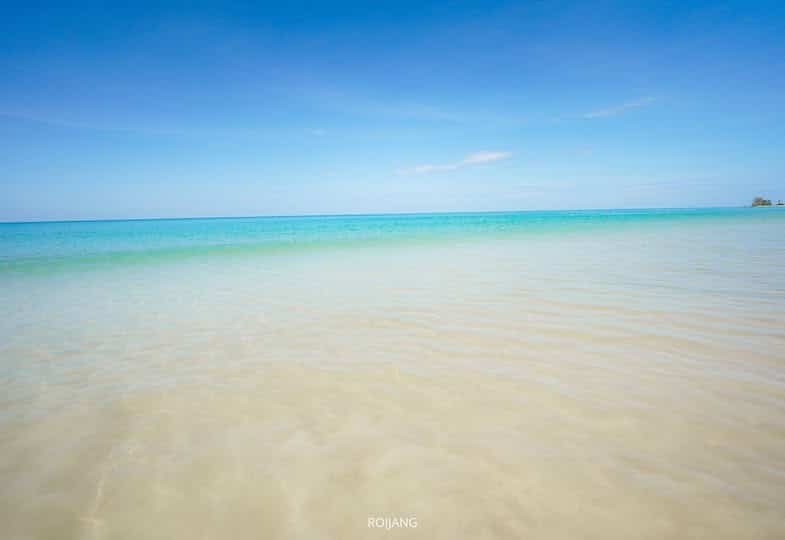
(618, 109)
(123, 129)
(476, 158)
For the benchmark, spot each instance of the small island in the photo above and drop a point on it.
(760, 201)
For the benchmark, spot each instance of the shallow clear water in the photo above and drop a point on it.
(597, 374)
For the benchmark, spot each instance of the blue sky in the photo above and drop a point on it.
(198, 109)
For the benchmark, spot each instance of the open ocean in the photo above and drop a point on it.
(556, 375)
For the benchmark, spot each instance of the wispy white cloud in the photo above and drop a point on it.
(472, 159)
(56, 121)
(619, 109)
(485, 157)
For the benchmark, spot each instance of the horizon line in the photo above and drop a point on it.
(358, 214)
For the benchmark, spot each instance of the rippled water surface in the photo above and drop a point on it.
(599, 374)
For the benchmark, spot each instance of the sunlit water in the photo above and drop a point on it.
(535, 375)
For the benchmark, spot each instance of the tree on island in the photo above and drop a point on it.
(760, 201)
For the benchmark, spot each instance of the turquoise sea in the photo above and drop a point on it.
(33, 247)
(592, 374)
